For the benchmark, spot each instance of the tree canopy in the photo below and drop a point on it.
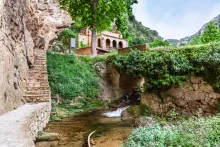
(98, 14)
(211, 33)
(107, 11)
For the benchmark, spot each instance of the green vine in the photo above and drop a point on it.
(163, 69)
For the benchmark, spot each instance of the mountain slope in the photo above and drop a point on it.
(137, 33)
(187, 39)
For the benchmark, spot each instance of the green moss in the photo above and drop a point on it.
(138, 110)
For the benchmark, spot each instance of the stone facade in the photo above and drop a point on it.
(25, 25)
(189, 99)
(105, 41)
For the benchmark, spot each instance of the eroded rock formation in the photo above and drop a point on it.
(25, 25)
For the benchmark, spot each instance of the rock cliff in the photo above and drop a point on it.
(25, 25)
(187, 39)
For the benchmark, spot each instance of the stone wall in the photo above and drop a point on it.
(194, 96)
(84, 51)
(142, 47)
(20, 127)
(25, 25)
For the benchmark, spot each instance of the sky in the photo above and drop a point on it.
(176, 19)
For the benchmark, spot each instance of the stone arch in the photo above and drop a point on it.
(99, 42)
(120, 44)
(108, 43)
(114, 44)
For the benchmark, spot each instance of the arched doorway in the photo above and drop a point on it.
(114, 44)
(120, 44)
(99, 42)
(108, 42)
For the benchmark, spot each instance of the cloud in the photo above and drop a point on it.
(184, 20)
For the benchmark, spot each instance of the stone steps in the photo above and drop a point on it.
(35, 88)
(37, 79)
(37, 84)
(37, 98)
(38, 89)
(38, 92)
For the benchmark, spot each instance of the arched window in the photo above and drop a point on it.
(108, 42)
(120, 44)
(99, 42)
(114, 44)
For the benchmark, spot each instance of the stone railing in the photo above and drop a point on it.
(20, 127)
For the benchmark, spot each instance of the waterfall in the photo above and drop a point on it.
(116, 113)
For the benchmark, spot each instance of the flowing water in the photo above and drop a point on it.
(112, 131)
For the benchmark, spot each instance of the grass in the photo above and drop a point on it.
(75, 80)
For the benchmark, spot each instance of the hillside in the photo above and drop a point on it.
(137, 33)
(187, 39)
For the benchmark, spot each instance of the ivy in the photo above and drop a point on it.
(163, 69)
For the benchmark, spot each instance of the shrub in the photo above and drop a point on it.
(71, 77)
(193, 132)
(163, 69)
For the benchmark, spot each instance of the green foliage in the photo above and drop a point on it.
(70, 77)
(159, 43)
(193, 132)
(196, 40)
(102, 16)
(63, 41)
(163, 69)
(83, 44)
(69, 107)
(139, 34)
(139, 110)
(211, 33)
(65, 36)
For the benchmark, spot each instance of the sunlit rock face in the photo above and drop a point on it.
(25, 25)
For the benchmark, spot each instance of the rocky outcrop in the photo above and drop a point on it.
(189, 99)
(113, 84)
(25, 26)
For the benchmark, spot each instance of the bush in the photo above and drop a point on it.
(193, 132)
(71, 77)
(163, 69)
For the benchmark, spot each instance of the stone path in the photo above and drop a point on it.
(19, 127)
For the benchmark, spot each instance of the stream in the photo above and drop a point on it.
(112, 131)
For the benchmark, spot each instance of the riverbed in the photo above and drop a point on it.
(74, 130)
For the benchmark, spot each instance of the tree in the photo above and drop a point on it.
(196, 40)
(97, 14)
(158, 43)
(211, 33)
